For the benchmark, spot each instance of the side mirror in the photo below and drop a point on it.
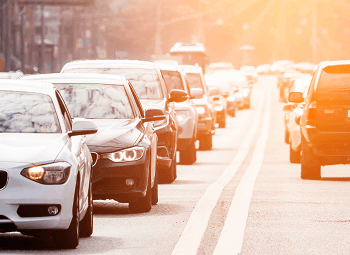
(214, 91)
(83, 127)
(178, 96)
(296, 97)
(154, 115)
(196, 93)
(288, 107)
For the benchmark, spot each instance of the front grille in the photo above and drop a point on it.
(3, 179)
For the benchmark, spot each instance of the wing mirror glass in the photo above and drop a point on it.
(83, 127)
(296, 97)
(178, 96)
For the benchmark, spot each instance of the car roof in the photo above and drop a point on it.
(169, 67)
(334, 63)
(109, 63)
(27, 86)
(78, 77)
(187, 47)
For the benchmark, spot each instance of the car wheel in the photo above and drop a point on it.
(155, 190)
(294, 156)
(189, 156)
(310, 169)
(286, 136)
(69, 238)
(87, 224)
(143, 204)
(206, 142)
(169, 175)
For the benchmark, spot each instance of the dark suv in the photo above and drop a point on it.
(325, 122)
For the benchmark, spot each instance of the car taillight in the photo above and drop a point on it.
(311, 111)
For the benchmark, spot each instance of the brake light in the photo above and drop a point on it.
(311, 111)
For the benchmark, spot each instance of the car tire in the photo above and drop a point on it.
(87, 224)
(309, 169)
(206, 142)
(294, 156)
(189, 156)
(69, 238)
(155, 189)
(143, 204)
(170, 174)
(286, 136)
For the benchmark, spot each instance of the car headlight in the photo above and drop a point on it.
(127, 155)
(219, 108)
(231, 98)
(55, 173)
(182, 116)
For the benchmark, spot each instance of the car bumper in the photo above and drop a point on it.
(329, 148)
(204, 126)
(21, 191)
(109, 180)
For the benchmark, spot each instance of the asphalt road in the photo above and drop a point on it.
(242, 197)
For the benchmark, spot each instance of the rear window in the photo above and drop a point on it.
(334, 79)
(145, 81)
(26, 112)
(194, 80)
(96, 101)
(172, 80)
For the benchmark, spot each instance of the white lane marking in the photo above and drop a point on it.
(197, 224)
(231, 238)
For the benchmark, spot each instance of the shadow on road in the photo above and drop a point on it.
(110, 207)
(15, 243)
(336, 179)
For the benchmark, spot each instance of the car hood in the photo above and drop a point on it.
(153, 103)
(114, 134)
(29, 148)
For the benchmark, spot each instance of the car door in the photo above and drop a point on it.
(149, 130)
(81, 152)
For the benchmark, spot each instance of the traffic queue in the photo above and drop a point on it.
(103, 129)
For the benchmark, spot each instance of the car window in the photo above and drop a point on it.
(26, 112)
(145, 81)
(96, 101)
(172, 80)
(194, 80)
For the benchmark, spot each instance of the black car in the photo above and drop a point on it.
(325, 122)
(149, 85)
(125, 148)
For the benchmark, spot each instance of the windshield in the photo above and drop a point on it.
(172, 80)
(96, 101)
(145, 81)
(194, 80)
(26, 112)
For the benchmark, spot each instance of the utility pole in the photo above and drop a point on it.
(314, 32)
(199, 24)
(6, 19)
(158, 49)
(23, 59)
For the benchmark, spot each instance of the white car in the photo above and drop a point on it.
(45, 165)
